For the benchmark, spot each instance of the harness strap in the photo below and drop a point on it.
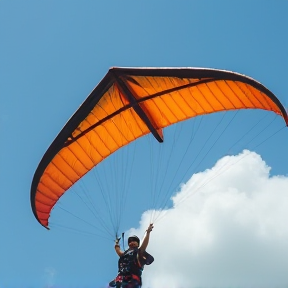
(135, 277)
(120, 278)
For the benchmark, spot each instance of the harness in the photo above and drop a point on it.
(129, 264)
(129, 267)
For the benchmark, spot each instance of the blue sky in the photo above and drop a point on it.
(53, 53)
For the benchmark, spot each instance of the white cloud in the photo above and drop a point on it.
(233, 232)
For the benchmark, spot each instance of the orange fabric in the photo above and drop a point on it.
(114, 122)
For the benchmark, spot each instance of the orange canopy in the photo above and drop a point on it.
(129, 103)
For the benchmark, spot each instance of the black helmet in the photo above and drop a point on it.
(134, 238)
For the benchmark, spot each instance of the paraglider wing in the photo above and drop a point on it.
(132, 102)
